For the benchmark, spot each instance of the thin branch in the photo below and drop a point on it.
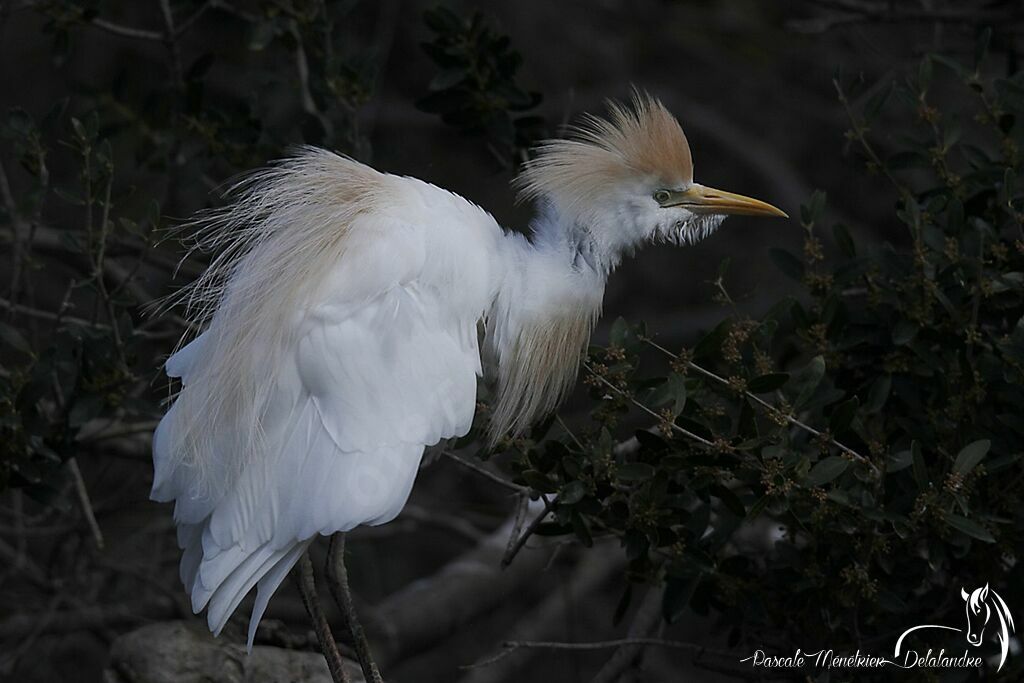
(126, 31)
(310, 599)
(170, 38)
(513, 550)
(757, 399)
(479, 469)
(83, 498)
(647, 617)
(21, 309)
(18, 233)
(184, 26)
(676, 428)
(575, 440)
(306, 94)
(337, 580)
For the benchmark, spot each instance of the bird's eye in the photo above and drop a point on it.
(662, 196)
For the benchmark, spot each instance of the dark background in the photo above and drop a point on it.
(751, 82)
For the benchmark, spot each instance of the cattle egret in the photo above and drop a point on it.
(349, 314)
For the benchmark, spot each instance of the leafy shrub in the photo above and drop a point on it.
(476, 89)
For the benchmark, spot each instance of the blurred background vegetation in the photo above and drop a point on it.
(795, 434)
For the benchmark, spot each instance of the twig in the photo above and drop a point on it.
(307, 588)
(676, 428)
(575, 440)
(170, 39)
(337, 580)
(486, 472)
(193, 18)
(306, 95)
(513, 549)
(126, 31)
(91, 618)
(548, 619)
(116, 429)
(18, 233)
(51, 611)
(757, 399)
(522, 507)
(647, 616)
(83, 498)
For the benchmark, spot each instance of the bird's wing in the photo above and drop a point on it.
(383, 365)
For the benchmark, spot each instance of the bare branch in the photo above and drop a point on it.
(311, 601)
(171, 40)
(479, 469)
(126, 31)
(676, 428)
(514, 548)
(547, 620)
(83, 498)
(337, 580)
(647, 617)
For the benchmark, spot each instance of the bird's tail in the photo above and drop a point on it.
(252, 532)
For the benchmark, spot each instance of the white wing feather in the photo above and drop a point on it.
(384, 363)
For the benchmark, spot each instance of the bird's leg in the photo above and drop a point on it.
(307, 588)
(337, 579)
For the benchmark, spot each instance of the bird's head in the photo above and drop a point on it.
(621, 181)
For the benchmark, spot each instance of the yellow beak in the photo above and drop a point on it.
(700, 199)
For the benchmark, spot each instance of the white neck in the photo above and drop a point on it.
(548, 299)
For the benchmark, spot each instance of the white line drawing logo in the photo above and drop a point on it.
(980, 604)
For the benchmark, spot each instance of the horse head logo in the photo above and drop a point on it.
(982, 605)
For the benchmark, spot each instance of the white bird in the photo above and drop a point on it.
(350, 313)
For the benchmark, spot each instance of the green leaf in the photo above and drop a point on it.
(878, 394)
(790, 265)
(970, 455)
(826, 470)
(539, 481)
(678, 593)
(807, 380)
(811, 211)
(448, 78)
(620, 333)
(729, 499)
(924, 74)
(766, 383)
(635, 471)
(84, 409)
(981, 47)
(573, 492)
(711, 343)
(903, 332)
(673, 390)
(844, 241)
(898, 461)
(843, 415)
(579, 526)
(920, 470)
(877, 101)
(969, 527)
(14, 339)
